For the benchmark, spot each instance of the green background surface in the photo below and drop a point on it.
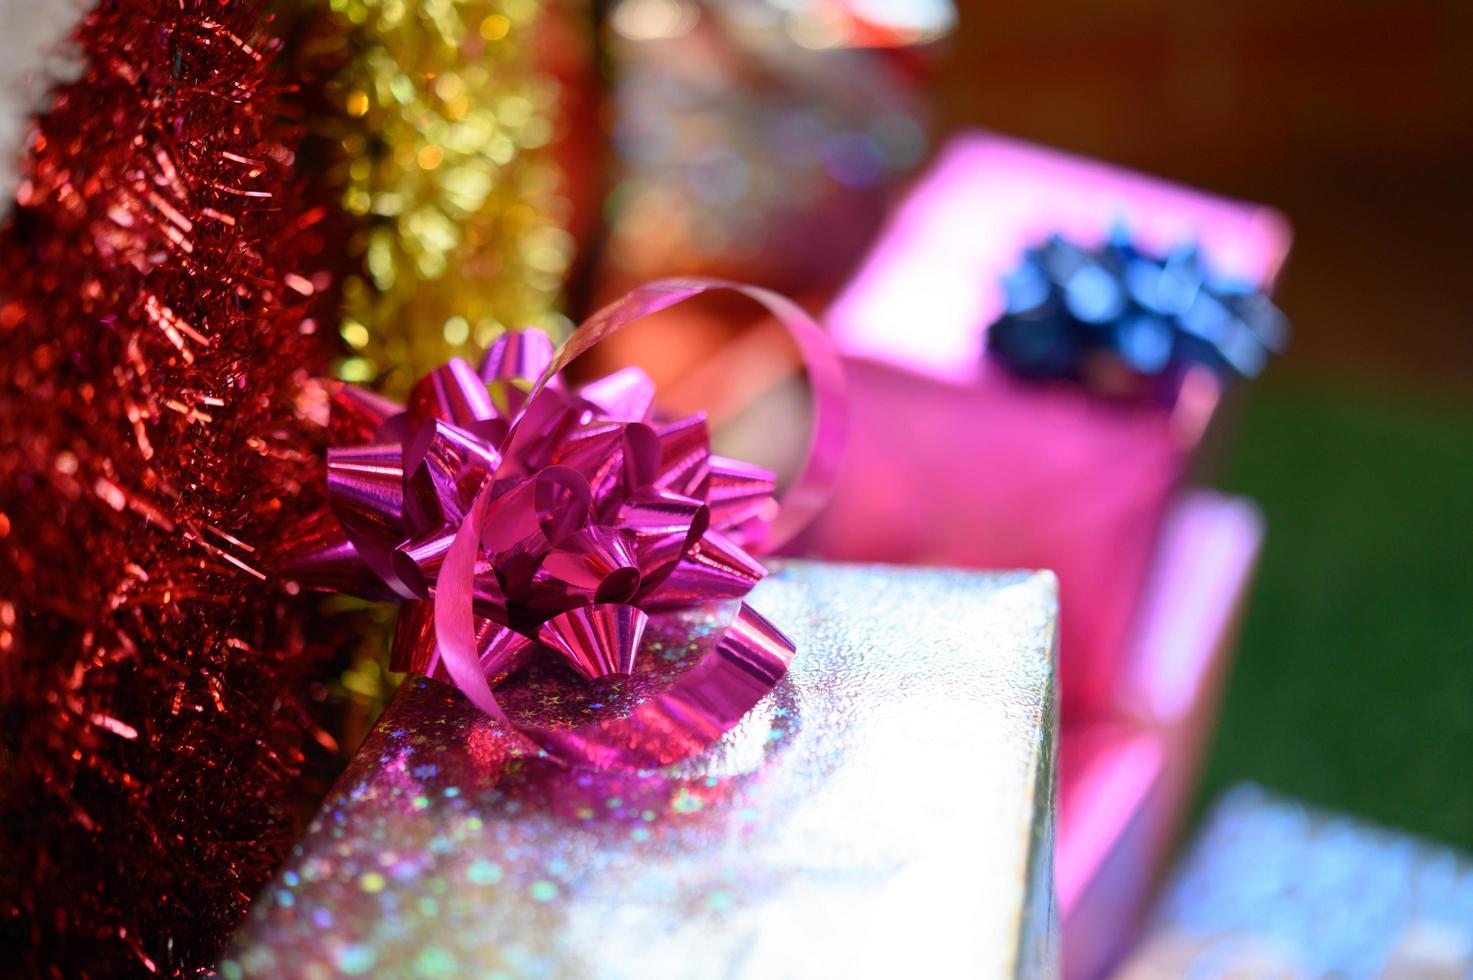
(1353, 686)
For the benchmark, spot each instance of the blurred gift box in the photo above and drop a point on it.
(1127, 778)
(955, 460)
(1273, 888)
(762, 140)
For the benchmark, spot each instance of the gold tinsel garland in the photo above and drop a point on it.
(434, 124)
(459, 224)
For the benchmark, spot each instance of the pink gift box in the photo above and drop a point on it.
(953, 462)
(1127, 778)
(1110, 803)
(1002, 475)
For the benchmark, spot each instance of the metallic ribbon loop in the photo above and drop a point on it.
(518, 518)
(809, 492)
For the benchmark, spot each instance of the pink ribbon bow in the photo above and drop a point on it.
(519, 521)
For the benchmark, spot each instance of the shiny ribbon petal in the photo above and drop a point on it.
(444, 467)
(358, 415)
(599, 641)
(685, 454)
(690, 715)
(453, 392)
(517, 354)
(626, 396)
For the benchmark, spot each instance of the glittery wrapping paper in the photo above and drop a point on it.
(888, 808)
(1274, 888)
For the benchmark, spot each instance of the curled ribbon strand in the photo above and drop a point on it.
(520, 520)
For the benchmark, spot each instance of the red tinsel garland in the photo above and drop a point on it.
(158, 283)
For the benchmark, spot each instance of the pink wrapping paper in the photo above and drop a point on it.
(1126, 779)
(1004, 476)
(953, 462)
(1111, 803)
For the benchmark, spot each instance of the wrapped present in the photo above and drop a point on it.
(514, 513)
(1029, 387)
(627, 761)
(763, 139)
(956, 460)
(1126, 778)
(1273, 888)
(886, 807)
